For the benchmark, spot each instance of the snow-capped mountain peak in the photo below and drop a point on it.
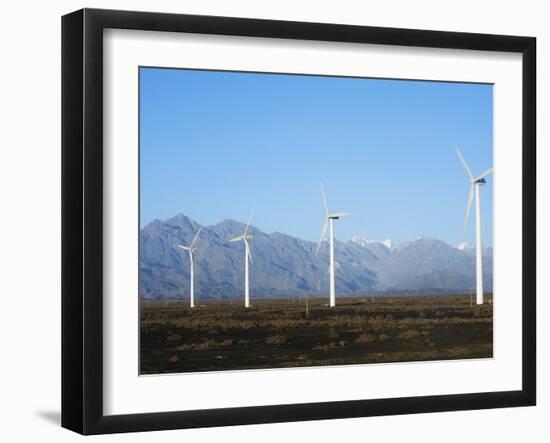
(463, 246)
(362, 241)
(387, 243)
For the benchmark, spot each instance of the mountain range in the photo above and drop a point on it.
(287, 266)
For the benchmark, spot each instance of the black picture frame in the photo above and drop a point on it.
(82, 216)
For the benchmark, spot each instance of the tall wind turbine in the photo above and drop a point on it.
(247, 256)
(475, 183)
(190, 249)
(329, 220)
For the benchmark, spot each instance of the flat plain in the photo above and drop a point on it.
(223, 335)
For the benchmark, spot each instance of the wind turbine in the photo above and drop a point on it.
(329, 220)
(190, 249)
(247, 256)
(475, 183)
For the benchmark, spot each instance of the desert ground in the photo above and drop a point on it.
(223, 335)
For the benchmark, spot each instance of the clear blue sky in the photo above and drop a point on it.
(216, 144)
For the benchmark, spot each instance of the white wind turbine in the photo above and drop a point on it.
(475, 183)
(247, 256)
(190, 249)
(329, 220)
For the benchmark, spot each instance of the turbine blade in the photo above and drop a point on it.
(249, 220)
(485, 174)
(323, 233)
(186, 248)
(340, 214)
(324, 197)
(240, 237)
(464, 163)
(469, 205)
(195, 238)
(248, 250)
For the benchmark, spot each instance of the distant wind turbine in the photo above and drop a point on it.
(190, 249)
(475, 183)
(329, 220)
(247, 256)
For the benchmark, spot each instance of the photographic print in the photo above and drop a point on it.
(303, 220)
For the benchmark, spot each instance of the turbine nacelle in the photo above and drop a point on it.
(192, 247)
(337, 215)
(328, 216)
(479, 180)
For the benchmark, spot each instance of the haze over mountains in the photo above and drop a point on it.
(287, 266)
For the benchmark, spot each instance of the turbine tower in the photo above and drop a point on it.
(190, 249)
(475, 183)
(329, 220)
(247, 256)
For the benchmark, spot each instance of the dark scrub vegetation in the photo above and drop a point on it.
(223, 335)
